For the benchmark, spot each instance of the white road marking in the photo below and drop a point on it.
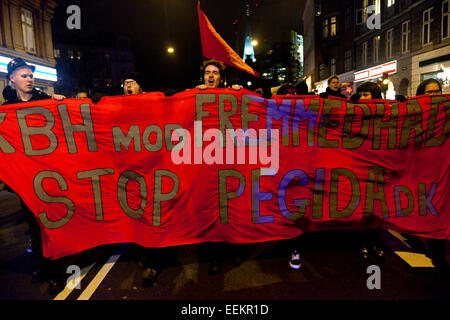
(93, 285)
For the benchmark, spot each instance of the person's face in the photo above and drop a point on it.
(334, 84)
(23, 79)
(432, 88)
(130, 86)
(365, 95)
(211, 76)
(82, 95)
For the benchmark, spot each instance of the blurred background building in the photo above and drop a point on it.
(410, 44)
(25, 32)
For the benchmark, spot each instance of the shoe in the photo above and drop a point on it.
(149, 277)
(294, 261)
(214, 268)
(377, 250)
(55, 285)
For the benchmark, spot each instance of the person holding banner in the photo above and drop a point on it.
(133, 83)
(21, 89)
(213, 76)
(370, 243)
(436, 247)
(429, 87)
(333, 89)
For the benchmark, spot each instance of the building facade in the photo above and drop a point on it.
(408, 41)
(25, 32)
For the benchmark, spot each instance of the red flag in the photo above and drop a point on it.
(214, 47)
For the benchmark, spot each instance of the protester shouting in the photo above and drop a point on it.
(333, 89)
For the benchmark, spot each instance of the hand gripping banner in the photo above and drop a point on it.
(225, 165)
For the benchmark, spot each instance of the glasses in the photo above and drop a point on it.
(433, 92)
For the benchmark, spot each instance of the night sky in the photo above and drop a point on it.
(153, 25)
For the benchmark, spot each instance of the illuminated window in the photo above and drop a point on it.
(426, 28)
(445, 20)
(28, 30)
(390, 3)
(333, 28)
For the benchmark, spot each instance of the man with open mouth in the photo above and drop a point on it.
(133, 83)
(213, 76)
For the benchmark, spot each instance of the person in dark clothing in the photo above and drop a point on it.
(435, 247)
(333, 89)
(133, 83)
(366, 91)
(428, 87)
(82, 94)
(370, 243)
(287, 89)
(20, 76)
(302, 89)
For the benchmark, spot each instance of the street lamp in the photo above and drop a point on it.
(170, 50)
(254, 43)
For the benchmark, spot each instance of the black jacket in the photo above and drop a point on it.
(10, 95)
(333, 93)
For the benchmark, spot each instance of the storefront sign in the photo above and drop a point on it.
(375, 72)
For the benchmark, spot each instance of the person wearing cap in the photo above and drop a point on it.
(21, 89)
(133, 83)
(20, 76)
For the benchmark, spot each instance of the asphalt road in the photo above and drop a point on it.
(331, 270)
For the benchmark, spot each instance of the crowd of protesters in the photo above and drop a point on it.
(21, 89)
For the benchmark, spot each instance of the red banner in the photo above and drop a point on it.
(225, 165)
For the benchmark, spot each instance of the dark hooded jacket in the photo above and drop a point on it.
(329, 92)
(10, 95)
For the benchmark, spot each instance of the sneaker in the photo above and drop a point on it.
(294, 261)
